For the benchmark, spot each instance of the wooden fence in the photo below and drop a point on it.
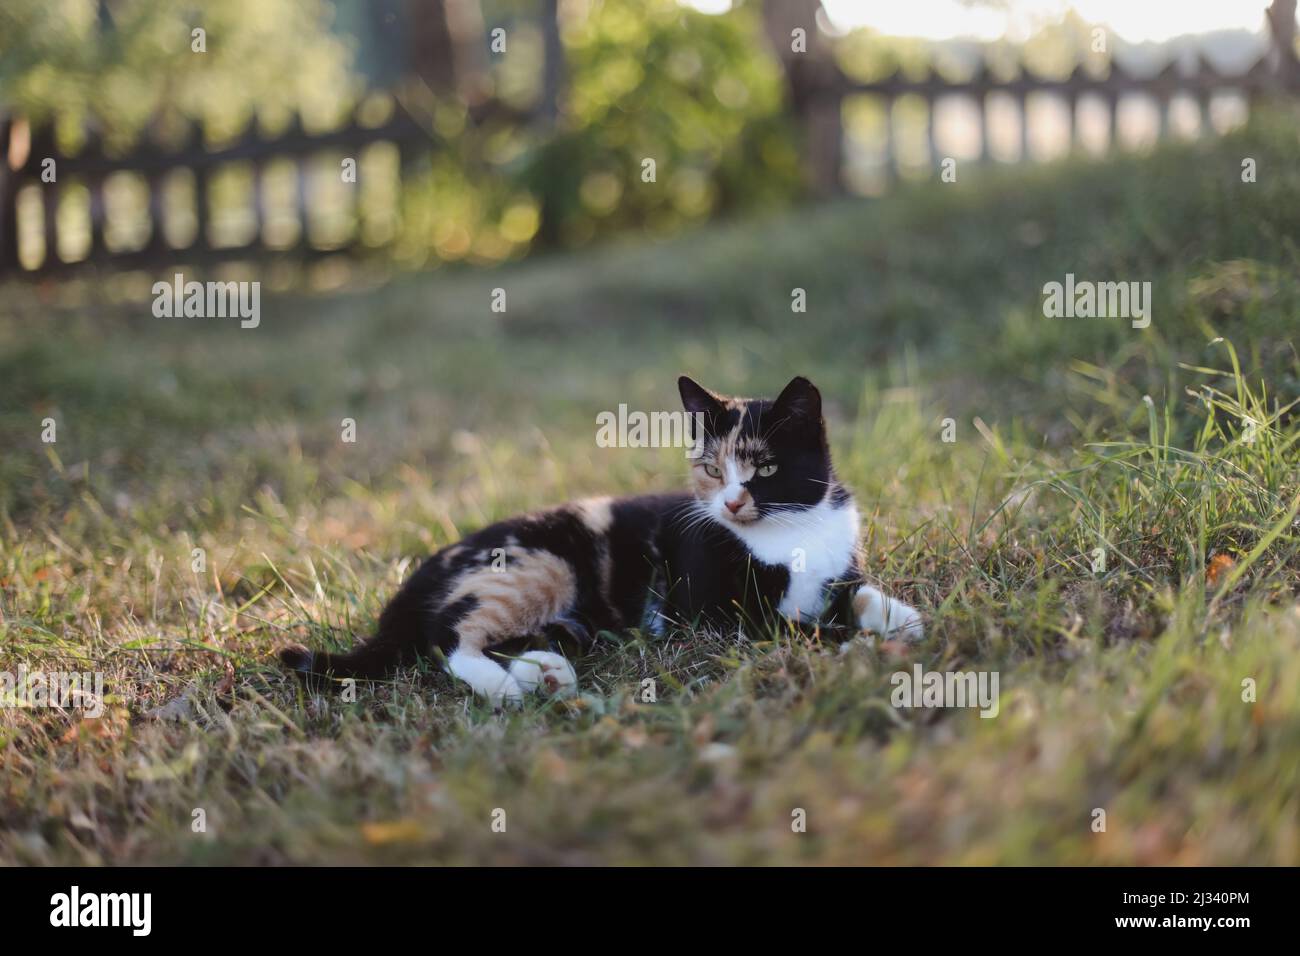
(819, 90)
(153, 164)
(446, 60)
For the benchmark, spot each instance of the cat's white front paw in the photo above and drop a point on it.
(886, 616)
(543, 671)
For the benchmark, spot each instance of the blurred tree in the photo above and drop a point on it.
(1281, 23)
(126, 61)
(805, 55)
(447, 48)
(552, 62)
(651, 80)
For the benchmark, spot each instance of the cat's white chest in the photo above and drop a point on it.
(816, 546)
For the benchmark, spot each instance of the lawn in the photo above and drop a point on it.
(1112, 530)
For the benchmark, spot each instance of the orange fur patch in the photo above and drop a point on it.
(528, 592)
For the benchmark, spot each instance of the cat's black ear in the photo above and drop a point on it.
(697, 398)
(701, 406)
(800, 399)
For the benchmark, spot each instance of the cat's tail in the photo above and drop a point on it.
(396, 644)
(371, 660)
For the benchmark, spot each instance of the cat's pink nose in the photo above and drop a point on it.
(735, 506)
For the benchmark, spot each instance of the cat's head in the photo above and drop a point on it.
(759, 457)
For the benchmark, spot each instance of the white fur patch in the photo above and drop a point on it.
(887, 616)
(815, 545)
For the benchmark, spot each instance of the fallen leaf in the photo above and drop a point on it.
(1219, 565)
(392, 831)
(227, 683)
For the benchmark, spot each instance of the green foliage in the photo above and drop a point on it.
(695, 94)
(686, 90)
(59, 60)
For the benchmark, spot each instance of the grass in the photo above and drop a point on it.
(1174, 449)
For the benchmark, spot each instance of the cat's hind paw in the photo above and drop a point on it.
(486, 678)
(544, 671)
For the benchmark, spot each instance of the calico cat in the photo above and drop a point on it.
(766, 532)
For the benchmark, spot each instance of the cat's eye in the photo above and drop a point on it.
(713, 470)
(767, 471)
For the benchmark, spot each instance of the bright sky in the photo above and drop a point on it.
(1134, 20)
